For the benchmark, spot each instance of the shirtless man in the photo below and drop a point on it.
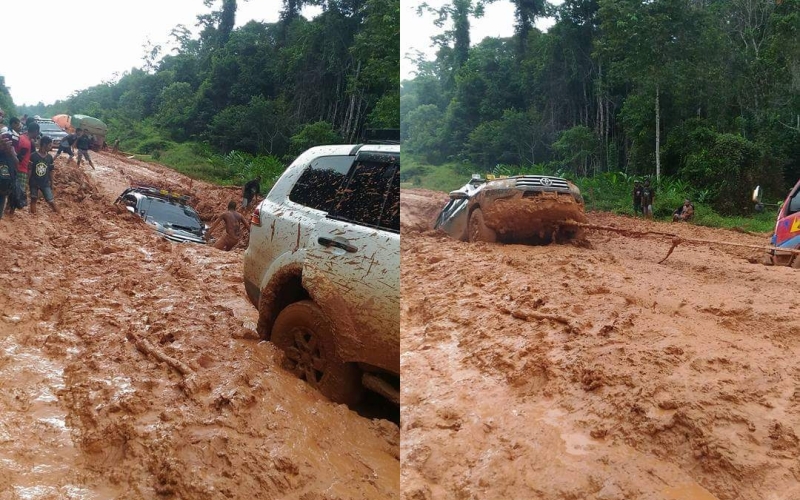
(231, 218)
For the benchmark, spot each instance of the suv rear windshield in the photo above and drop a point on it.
(319, 183)
(371, 194)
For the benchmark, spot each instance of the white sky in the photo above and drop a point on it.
(52, 48)
(416, 32)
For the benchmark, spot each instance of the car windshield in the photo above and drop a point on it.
(165, 213)
(50, 128)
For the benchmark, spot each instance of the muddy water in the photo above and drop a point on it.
(560, 372)
(86, 413)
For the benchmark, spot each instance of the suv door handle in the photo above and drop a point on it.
(327, 242)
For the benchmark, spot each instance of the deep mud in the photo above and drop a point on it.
(559, 372)
(130, 366)
(536, 219)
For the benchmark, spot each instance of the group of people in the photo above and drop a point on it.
(643, 197)
(25, 165)
(80, 139)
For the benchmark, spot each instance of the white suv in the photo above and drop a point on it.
(323, 269)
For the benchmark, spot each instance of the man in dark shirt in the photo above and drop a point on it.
(648, 196)
(83, 143)
(41, 176)
(65, 146)
(637, 197)
(8, 167)
(250, 190)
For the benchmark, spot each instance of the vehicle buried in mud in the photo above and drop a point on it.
(531, 209)
(166, 211)
(787, 228)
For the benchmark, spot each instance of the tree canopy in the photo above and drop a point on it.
(707, 89)
(256, 87)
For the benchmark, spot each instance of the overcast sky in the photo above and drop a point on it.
(416, 32)
(54, 48)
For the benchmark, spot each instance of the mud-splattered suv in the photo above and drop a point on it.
(323, 269)
(524, 208)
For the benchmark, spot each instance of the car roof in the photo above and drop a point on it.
(157, 193)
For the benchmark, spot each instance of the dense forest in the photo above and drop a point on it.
(707, 91)
(260, 89)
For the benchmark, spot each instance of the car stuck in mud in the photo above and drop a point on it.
(534, 209)
(787, 228)
(166, 211)
(323, 269)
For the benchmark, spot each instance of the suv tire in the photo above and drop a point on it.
(304, 334)
(477, 230)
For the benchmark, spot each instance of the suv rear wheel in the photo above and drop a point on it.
(304, 334)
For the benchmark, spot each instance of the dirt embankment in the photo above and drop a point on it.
(130, 367)
(559, 372)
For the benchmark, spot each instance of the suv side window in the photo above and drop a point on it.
(371, 194)
(320, 181)
(794, 203)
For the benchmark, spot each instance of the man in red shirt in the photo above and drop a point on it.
(23, 149)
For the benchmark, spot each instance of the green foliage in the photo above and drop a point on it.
(246, 167)
(313, 134)
(578, 147)
(254, 88)
(445, 177)
(423, 125)
(607, 192)
(584, 96)
(729, 169)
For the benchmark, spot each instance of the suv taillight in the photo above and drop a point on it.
(255, 219)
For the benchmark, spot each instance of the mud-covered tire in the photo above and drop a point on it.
(795, 262)
(305, 335)
(477, 229)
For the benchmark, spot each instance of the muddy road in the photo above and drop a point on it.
(560, 372)
(130, 366)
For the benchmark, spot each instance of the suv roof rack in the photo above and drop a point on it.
(160, 193)
(381, 136)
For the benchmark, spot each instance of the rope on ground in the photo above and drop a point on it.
(677, 240)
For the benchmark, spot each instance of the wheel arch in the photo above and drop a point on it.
(284, 287)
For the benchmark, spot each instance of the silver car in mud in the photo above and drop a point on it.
(525, 209)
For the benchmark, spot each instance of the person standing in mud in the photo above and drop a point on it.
(41, 178)
(648, 197)
(83, 142)
(65, 146)
(23, 148)
(8, 169)
(250, 191)
(637, 197)
(232, 220)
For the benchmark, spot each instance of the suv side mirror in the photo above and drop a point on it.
(130, 209)
(458, 195)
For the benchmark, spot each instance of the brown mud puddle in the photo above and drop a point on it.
(87, 411)
(557, 372)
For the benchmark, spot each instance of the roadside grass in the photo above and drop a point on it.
(198, 161)
(607, 192)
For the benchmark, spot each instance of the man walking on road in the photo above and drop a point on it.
(84, 142)
(232, 219)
